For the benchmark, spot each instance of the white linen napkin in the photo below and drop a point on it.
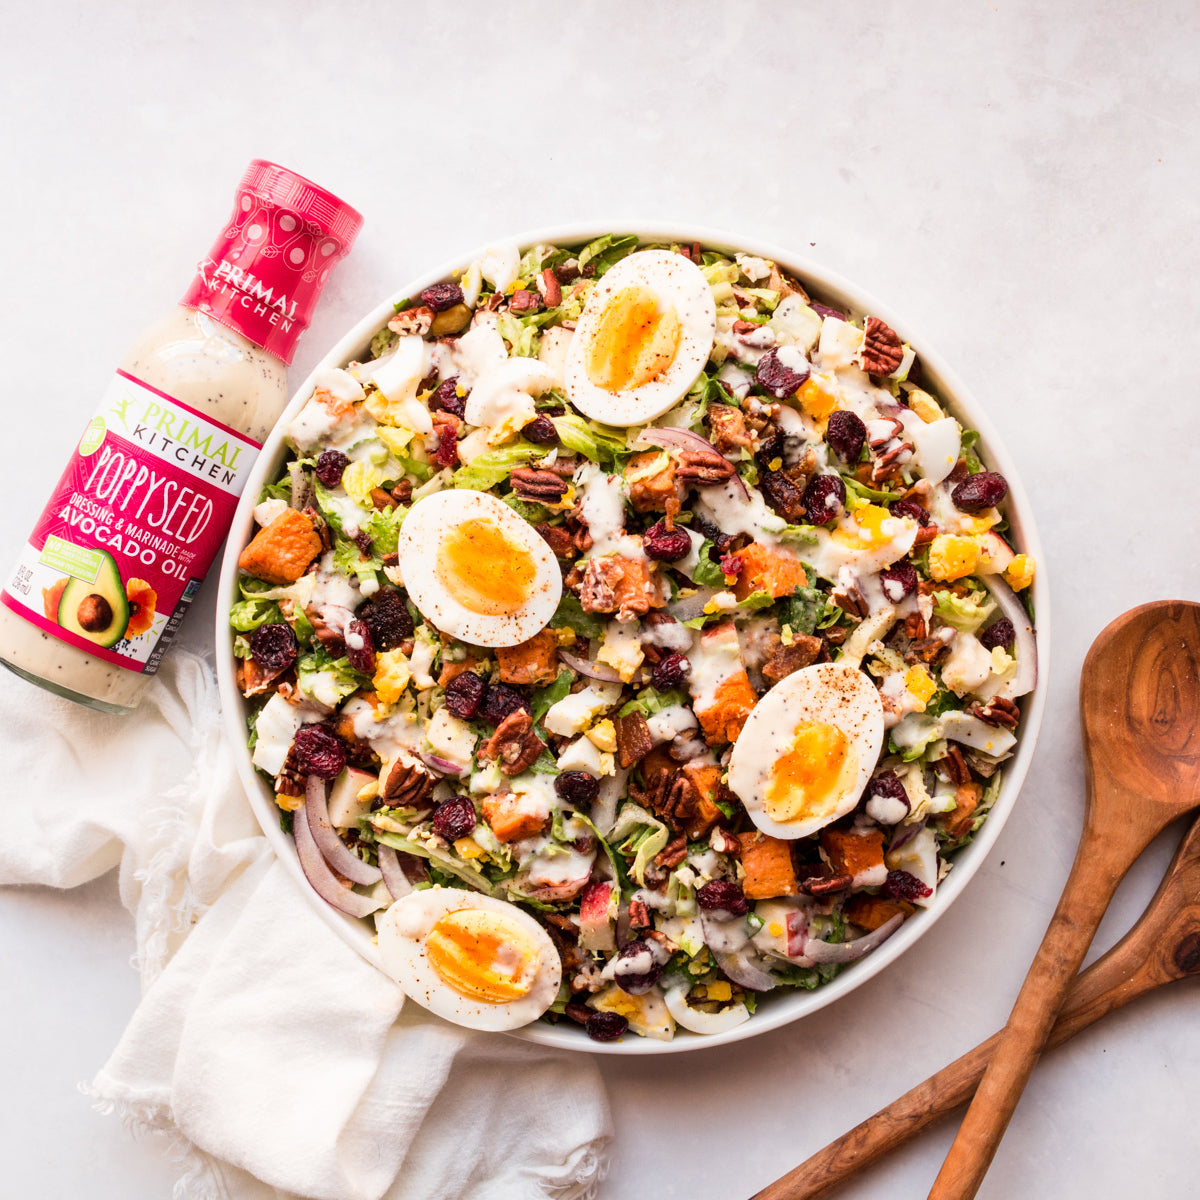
(278, 1060)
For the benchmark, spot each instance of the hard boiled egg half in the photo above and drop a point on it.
(644, 336)
(476, 569)
(808, 749)
(469, 958)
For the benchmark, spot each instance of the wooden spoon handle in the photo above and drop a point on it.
(1153, 954)
(1100, 864)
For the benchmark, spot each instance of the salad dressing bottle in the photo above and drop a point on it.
(122, 546)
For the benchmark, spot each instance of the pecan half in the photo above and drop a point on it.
(382, 499)
(291, 779)
(633, 739)
(531, 484)
(412, 320)
(672, 854)
(850, 600)
(881, 351)
(330, 638)
(402, 492)
(703, 466)
(955, 766)
(409, 783)
(724, 842)
(639, 915)
(998, 711)
(514, 743)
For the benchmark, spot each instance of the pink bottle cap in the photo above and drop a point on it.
(266, 271)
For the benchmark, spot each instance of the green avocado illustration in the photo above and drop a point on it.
(97, 611)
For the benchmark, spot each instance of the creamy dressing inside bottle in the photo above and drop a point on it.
(144, 504)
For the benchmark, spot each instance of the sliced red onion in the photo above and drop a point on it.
(823, 310)
(671, 437)
(394, 878)
(444, 765)
(1023, 682)
(324, 882)
(589, 669)
(743, 967)
(817, 951)
(335, 852)
(905, 834)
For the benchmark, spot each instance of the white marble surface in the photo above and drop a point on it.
(1019, 179)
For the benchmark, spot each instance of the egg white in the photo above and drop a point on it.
(402, 930)
(424, 529)
(676, 281)
(829, 693)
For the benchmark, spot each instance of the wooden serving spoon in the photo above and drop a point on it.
(1139, 699)
(1163, 946)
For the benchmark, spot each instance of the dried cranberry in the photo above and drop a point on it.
(606, 1026)
(909, 508)
(319, 751)
(442, 296)
(364, 542)
(446, 455)
(899, 581)
(901, 885)
(454, 818)
(359, 648)
(445, 398)
(723, 895)
(782, 495)
(541, 431)
(984, 489)
(274, 646)
(780, 372)
(731, 565)
(824, 498)
(670, 672)
(577, 787)
(999, 633)
(500, 701)
(886, 786)
(330, 466)
(388, 619)
(636, 970)
(464, 694)
(847, 434)
(666, 545)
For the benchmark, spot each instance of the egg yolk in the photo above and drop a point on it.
(483, 955)
(635, 341)
(812, 775)
(484, 569)
(868, 529)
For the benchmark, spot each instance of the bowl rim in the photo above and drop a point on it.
(832, 288)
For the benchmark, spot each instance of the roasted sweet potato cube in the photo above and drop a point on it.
(282, 551)
(768, 865)
(705, 779)
(659, 492)
(733, 699)
(852, 853)
(533, 663)
(869, 912)
(957, 822)
(510, 822)
(767, 569)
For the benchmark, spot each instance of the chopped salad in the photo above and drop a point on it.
(636, 590)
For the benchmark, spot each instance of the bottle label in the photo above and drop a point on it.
(132, 527)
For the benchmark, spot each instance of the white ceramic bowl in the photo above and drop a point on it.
(774, 1010)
